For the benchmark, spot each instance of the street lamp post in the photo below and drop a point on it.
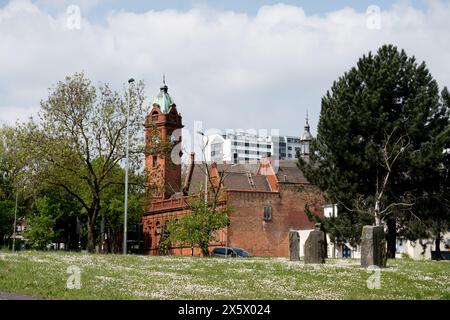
(125, 216)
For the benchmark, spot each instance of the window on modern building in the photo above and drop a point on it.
(246, 152)
(289, 148)
(267, 213)
(289, 155)
(247, 144)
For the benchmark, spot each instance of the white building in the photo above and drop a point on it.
(242, 146)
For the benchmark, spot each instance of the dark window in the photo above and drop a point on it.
(235, 143)
(154, 161)
(289, 148)
(247, 144)
(219, 251)
(267, 213)
(246, 151)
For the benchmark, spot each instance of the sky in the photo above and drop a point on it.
(257, 65)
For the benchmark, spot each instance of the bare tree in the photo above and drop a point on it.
(377, 205)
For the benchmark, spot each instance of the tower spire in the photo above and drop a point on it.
(307, 123)
(164, 87)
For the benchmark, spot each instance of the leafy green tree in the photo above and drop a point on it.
(378, 145)
(12, 180)
(41, 223)
(80, 138)
(113, 206)
(197, 227)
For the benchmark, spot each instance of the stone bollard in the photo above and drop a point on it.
(294, 246)
(314, 247)
(373, 247)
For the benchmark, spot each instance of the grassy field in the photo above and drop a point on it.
(44, 275)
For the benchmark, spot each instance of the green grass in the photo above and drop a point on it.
(44, 275)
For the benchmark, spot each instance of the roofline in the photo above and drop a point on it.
(252, 191)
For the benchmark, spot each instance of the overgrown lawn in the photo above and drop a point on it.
(45, 275)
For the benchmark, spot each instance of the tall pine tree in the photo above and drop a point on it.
(380, 142)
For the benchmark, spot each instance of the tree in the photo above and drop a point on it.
(80, 138)
(113, 207)
(41, 230)
(378, 140)
(12, 181)
(198, 226)
(206, 216)
(433, 207)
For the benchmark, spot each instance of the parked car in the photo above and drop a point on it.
(231, 252)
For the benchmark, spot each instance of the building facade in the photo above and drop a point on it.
(267, 200)
(244, 147)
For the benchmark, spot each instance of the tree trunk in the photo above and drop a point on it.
(204, 247)
(92, 217)
(90, 234)
(438, 246)
(325, 243)
(391, 238)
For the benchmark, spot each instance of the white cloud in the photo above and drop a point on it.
(231, 70)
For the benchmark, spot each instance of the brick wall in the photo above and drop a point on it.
(248, 229)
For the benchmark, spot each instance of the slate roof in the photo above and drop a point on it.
(243, 176)
(289, 172)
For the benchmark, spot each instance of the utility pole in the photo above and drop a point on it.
(15, 222)
(125, 216)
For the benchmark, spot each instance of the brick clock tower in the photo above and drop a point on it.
(163, 147)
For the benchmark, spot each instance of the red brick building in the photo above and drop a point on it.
(268, 198)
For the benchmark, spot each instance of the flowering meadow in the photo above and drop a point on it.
(51, 275)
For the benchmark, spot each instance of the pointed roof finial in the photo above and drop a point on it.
(306, 133)
(164, 87)
(307, 117)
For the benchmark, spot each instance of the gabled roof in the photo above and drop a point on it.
(289, 172)
(245, 176)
